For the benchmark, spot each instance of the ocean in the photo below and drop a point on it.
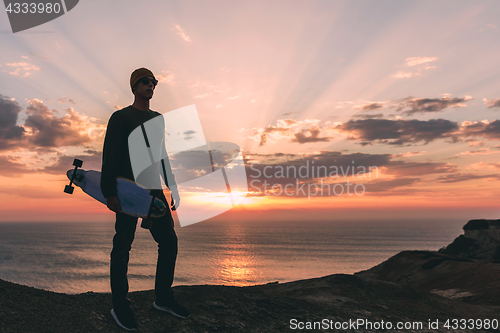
(74, 257)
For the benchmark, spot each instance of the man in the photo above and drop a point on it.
(116, 162)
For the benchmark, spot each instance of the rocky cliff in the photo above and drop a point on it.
(467, 270)
(481, 240)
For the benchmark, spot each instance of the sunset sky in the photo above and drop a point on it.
(411, 88)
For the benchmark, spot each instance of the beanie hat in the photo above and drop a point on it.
(139, 74)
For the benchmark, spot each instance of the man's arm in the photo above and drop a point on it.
(109, 169)
(169, 178)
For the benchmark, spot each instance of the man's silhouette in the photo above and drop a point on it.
(116, 162)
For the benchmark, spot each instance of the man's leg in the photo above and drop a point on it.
(163, 233)
(122, 243)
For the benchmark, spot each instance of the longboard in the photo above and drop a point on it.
(134, 200)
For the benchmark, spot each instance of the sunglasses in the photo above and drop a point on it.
(146, 80)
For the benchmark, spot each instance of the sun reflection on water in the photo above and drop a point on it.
(236, 264)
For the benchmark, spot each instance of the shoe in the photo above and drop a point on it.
(173, 307)
(124, 319)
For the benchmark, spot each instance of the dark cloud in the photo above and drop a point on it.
(455, 178)
(11, 135)
(369, 116)
(494, 103)
(387, 185)
(263, 139)
(50, 131)
(489, 130)
(43, 130)
(410, 105)
(92, 160)
(309, 135)
(329, 167)
(398, 132)
(401, 168)
(369, 106)
(320, 159)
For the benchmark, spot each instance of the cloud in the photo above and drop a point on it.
(403, 132)
(464, 177)
(486, 129)
(397, 132)
(309, 135)
(404, 75)
(11, 135)
(43, 128)
(330, 167)
(401, 168)
(490, 26)
(182, 33)
(92, 160)
(369, 116)
(483, 165)
(22, 69)
(421, 64)
(304, 131)
(65, 100)
(409, 154)
(234, 97)
(381, 185)
(410, 105)
(326, 166)
(415, 61)
(370, 106)
(282, 129)
(481, 151)
(10, 167)
(166, 77)
(494, 103)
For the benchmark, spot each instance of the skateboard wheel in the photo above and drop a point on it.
(69, 189)
(78, 163)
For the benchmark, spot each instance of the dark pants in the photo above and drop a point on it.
(163, 233)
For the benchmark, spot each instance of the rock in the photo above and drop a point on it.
(465, 270)
(481, 240)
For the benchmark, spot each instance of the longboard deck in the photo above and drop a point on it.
(134, 200)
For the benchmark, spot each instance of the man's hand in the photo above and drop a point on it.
(114, 205)
(175, 198)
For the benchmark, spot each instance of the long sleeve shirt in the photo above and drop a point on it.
(116, 155)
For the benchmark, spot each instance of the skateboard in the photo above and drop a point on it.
(134, 200)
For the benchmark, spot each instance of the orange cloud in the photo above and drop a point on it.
(182, 33)
(23, 69)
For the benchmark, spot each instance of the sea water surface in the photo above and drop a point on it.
(74, 257)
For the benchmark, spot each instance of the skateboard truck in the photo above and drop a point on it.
(68, 188)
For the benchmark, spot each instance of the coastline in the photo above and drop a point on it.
(410, 287)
